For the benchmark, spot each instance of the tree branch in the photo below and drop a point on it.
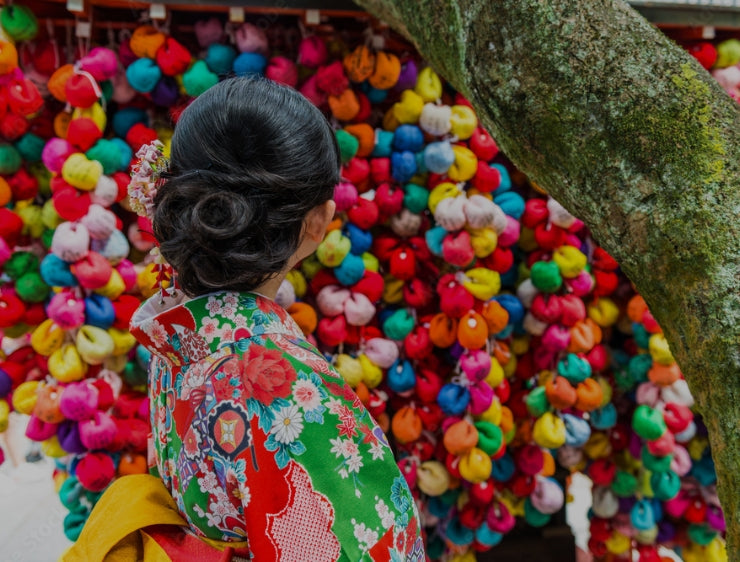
(629, 133)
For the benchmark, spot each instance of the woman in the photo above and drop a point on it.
(256, 437)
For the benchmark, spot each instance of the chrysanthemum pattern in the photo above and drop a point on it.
(249, 419)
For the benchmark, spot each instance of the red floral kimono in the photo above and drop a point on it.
(258, 438)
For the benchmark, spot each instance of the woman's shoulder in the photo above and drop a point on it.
(271, 408)
(279, 361)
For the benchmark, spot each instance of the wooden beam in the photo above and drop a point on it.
(693, 15)
(690, 16)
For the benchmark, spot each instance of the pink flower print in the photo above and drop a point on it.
(306, 395)
(344, 447)
(213, 306)
(209, 329)
(193, 379)
(226, 333)
(209, 482)
(386, 517)
(157, 334)
(228, 311)
(349, 448)
(365, 535)
(231, 299)
(191, 443)
(213, 520)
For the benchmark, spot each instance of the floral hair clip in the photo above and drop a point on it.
(147, 176)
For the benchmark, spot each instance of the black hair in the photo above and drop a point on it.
(249, 159)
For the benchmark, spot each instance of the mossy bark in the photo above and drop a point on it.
(628, 132)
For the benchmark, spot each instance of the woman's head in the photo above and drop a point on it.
(253, 167)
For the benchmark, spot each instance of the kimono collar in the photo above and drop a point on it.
(182, 330)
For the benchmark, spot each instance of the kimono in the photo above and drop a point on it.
(258, 439)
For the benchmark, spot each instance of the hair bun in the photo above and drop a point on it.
(209, 223)
(221, 215)
(250, 159)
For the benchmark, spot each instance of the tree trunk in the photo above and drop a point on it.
(629, 133)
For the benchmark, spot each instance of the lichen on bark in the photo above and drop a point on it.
(627, 131)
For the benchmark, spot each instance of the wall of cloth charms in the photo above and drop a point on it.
(489, 335)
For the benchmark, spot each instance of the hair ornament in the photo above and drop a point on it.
(147, 175)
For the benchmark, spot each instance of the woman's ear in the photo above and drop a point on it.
(318, 219)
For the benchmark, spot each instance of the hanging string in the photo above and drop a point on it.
(95, 85)
(54, 44)
(70, 45)
(230, 31)
(111, 38)
(84, 42)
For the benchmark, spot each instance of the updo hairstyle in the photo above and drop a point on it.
(250, 158)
